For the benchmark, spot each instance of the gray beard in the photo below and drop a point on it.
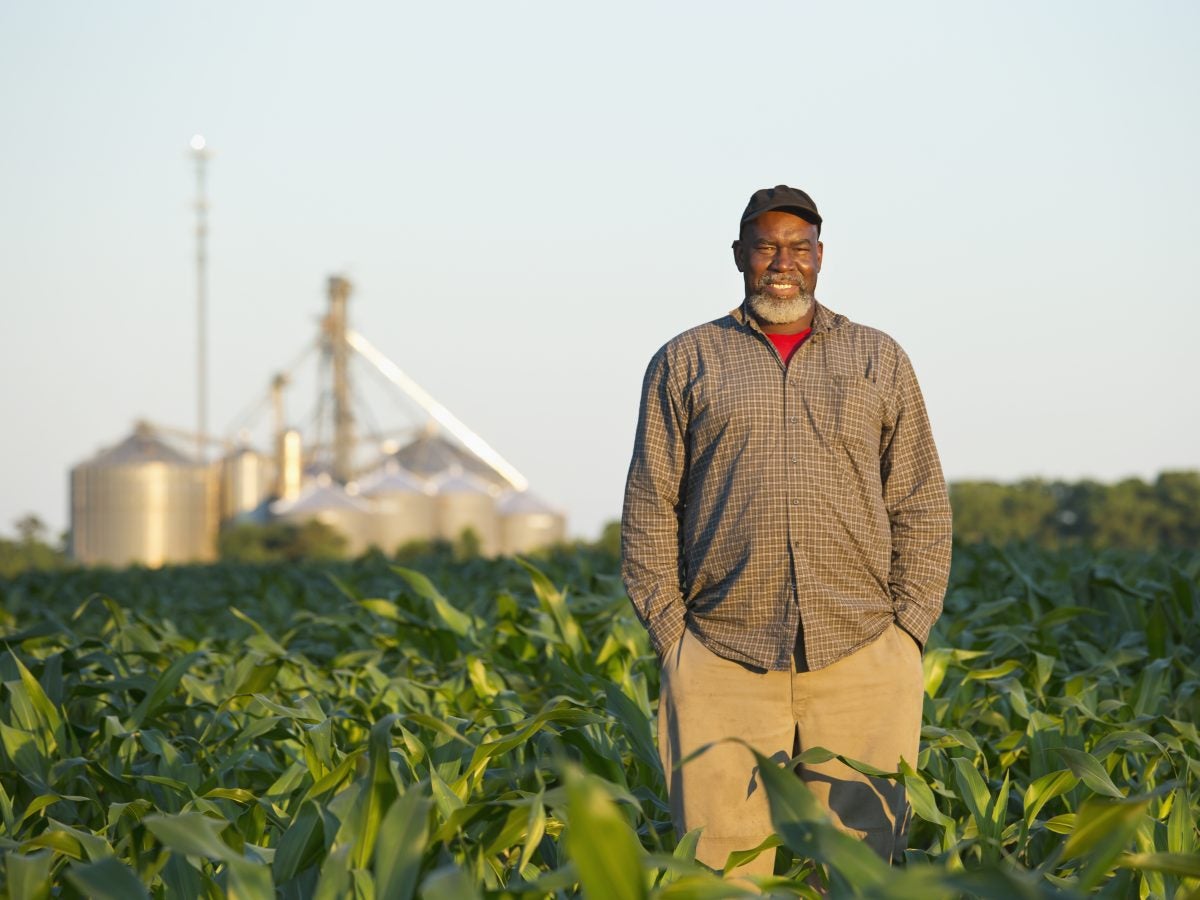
(780, 312)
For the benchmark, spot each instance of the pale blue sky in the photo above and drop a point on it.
(532, 197)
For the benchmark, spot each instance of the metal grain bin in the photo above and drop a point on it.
(465, 501)
(328, 502)
(144, 502)
(403, 508)
(431, 455)
(246, 480)
(528, 523)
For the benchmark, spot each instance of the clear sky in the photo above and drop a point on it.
(530, 198)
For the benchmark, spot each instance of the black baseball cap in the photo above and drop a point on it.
(781, 196)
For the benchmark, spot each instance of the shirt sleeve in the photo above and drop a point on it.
(918, 508)
(650, 519)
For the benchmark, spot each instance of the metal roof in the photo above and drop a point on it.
(319, 498)
(431, 454)
(524, 503)
(143, 446)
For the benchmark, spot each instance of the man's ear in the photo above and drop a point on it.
(737, 255)
(820, 255)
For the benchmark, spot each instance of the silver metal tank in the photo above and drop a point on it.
(246, 480)
(403, 508)
(466, 501)
(326, 501)
(430, 455)
(143, 502)
(289, 465)
(528, 523)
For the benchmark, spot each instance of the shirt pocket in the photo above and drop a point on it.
(846, 414)
(740, 410)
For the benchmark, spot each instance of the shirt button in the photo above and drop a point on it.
(796, 501)
(794, 419)
(795, 459)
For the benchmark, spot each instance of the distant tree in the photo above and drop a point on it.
(1130, 514)
(1178, 495)
(1003, 512)
(31, 550)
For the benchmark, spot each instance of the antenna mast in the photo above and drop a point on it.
(338, 351)
(201, 155)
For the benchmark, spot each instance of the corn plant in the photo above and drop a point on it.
(463, 729)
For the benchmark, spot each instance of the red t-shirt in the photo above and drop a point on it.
(787, 344)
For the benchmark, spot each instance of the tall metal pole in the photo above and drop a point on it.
(201, 155)
(343, 414)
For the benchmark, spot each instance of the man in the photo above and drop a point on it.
(786, 542)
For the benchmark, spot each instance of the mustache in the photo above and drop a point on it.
(766, 280)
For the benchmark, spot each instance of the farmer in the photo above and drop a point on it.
(786, 542)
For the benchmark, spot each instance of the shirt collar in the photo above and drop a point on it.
(824, 318)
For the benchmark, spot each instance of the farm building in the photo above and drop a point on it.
(148, 501)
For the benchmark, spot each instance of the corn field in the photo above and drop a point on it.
(484, 729)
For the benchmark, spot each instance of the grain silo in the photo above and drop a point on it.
(143, 502)
(247, 478)
(327, 502)
(528, 523)
(403, 508)
(464, 502)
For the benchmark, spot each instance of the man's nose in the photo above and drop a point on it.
(783, 260)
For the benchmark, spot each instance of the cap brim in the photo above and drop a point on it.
(807, 215)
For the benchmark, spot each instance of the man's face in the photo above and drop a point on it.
(779, 257)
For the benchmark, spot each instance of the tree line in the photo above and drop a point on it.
(1132, 513)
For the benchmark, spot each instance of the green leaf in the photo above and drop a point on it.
(182, 879)
(301, 844)
(705, 886)
(452, 883)
(601, 843)
(164, 687)
(999, 671)
(454, 619)
(333, 882)
(47, 714)
(380, 792)
(1181, 824)
(921, 799)
(21, 747)
(192, 834)
(738, 858)
(403, 834)
(1103, 831)
(1098, 821)
(249, 880)
(804, 825)
(535, 828)
(1089, 771)
(1183, 865)
(1045, 789)
(28, 875)
(72, 842)
(554, 602)
(106, 879)
(238, 795)
(973, 791)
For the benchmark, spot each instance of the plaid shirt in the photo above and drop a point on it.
(763, 496)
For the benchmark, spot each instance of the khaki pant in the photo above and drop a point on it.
(866, 706)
